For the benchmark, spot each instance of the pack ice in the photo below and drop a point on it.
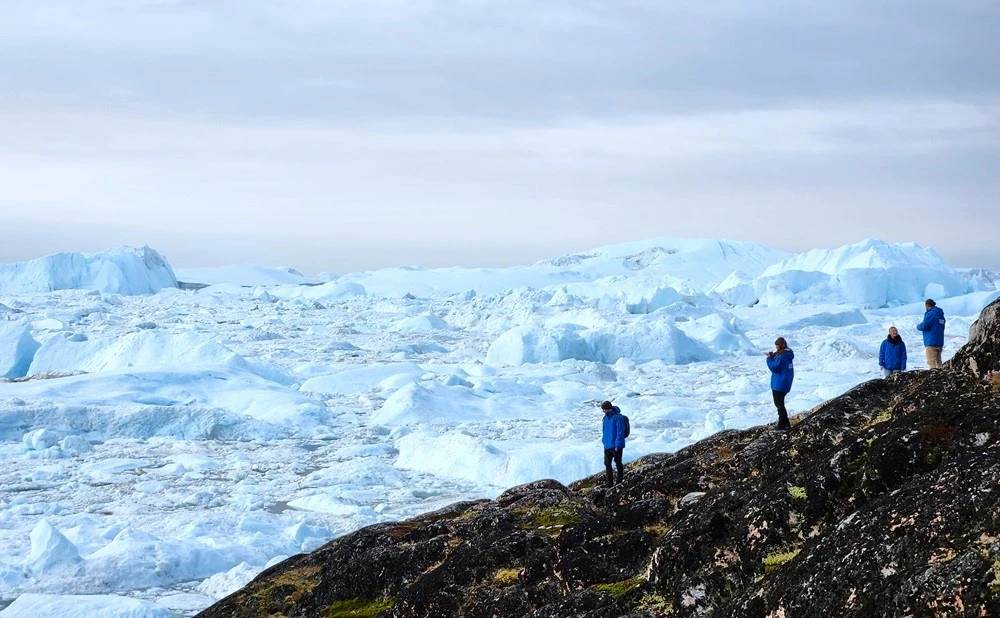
(161, 446)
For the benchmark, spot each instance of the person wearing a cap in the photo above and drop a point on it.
(613, 437)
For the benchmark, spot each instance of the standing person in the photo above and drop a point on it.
(782, 372)
(933, 329)
(613, 437)
(892, 354)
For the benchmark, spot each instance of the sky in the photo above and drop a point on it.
(346, 135)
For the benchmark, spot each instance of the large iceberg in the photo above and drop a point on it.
(872, 273)
(122, 270)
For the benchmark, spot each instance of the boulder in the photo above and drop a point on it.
(981, 355)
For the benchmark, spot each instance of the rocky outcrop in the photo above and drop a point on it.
(981, 355)
(882, 502)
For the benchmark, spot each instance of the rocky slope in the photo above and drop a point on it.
(882, 502)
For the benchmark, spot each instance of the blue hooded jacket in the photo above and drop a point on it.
(933, 327)
(613, 434)
(782, 371)
(892, 356)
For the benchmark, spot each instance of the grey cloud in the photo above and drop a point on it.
(523, 61)
(348, 135)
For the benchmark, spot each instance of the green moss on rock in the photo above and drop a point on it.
(797, 493)
(775, 560)
(506, 577)
(620, 589)
(656, 604)
(358, 608)
(288, 588)
(549, 520)
(884, 416)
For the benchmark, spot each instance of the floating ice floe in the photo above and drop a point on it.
(420, 323)
(83, 606)
(17, 348)
(360, 379)
(644, 339)
(50, 550)
(197, 404)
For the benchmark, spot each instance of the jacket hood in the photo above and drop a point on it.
(614, 410)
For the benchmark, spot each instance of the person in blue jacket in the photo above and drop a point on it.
(782, 372)
(933, 328)
(892, 354)
(613, 437)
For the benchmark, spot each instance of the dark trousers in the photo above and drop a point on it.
(779, 402)
(616, 455)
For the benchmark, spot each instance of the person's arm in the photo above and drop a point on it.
(620, 431)
(772, 363)
(923, 323)
(903, 367)
(881, 355)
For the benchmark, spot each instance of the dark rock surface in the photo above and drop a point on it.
(981, 355)
(882, 502)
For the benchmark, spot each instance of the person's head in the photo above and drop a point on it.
(893, 332)
(606, 406)
(929, 303)
(780, 344)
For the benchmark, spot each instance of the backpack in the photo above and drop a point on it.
(628, 428)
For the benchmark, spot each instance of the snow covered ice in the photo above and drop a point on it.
(125, 270)
(162, 445)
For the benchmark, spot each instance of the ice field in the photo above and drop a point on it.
(160, 446)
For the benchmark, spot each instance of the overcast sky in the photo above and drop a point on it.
(347, 135)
